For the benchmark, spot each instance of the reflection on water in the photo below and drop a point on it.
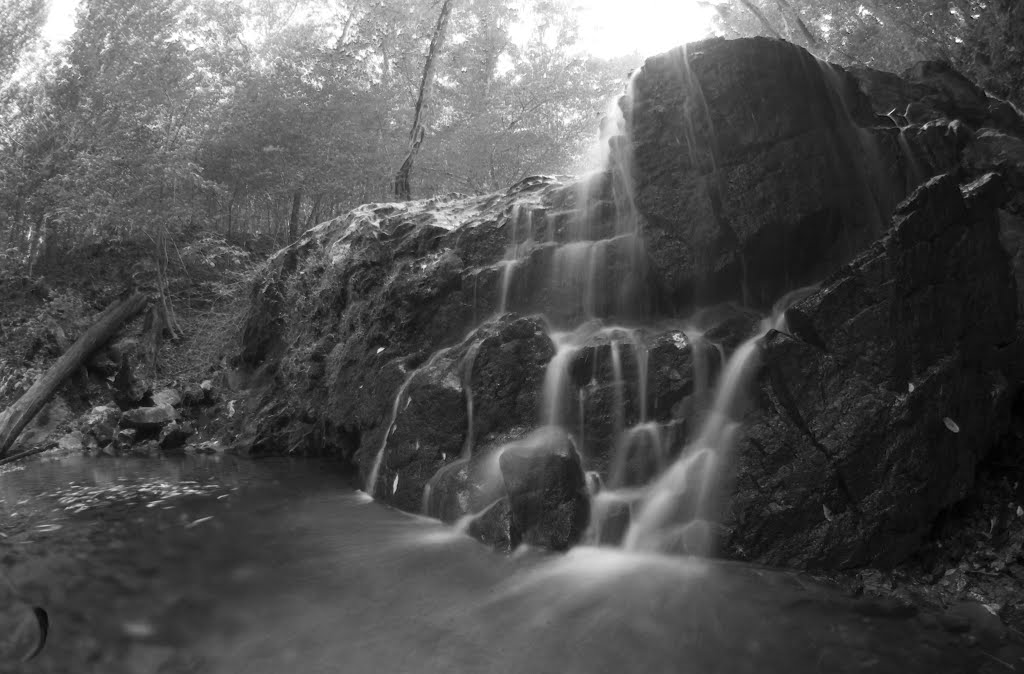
(264, 567)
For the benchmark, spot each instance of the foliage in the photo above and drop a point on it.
(162, 119)
(20, 23)
(982, 38)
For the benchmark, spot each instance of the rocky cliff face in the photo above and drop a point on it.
(511, 359)
(874, 409)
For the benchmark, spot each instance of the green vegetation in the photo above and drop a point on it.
(168, 120)
(984, 39)
(162, 119)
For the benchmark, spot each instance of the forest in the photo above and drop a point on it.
(439, 336)
(255, 119)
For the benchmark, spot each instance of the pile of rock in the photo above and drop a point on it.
(163, 426)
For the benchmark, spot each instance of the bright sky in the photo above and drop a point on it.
(615, 27)
(607, 27)
(60, 24)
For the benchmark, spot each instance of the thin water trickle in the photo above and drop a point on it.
(467, 386)
(520, 240)
(619, 418)
(371, 485)
(556, 378)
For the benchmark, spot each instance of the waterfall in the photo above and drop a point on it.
(682, 499)
(658, 488)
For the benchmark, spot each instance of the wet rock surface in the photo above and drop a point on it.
(546, 489)
(401, 337)
(742, 147)
(874, 412)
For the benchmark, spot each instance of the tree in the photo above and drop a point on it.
(403, 189)
(20, 23)
(257, 118)
(982, 38)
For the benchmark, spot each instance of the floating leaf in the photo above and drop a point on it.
(199, 521)
(950, 424)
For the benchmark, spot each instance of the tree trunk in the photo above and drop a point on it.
(314, 211)
(14, 419)
(402, 186)
(765, 23)
(790, 13)
(293, 219)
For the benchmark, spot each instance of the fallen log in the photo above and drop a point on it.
(14, 419)
(21, 455)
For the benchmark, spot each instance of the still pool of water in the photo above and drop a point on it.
(223, 565)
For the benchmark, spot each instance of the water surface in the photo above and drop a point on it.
(223, 565)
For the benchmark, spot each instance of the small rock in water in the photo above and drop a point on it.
(72, 442)
(125, 438)
(950, 424)
(174, 435)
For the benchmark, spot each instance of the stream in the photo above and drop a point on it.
(227, 565)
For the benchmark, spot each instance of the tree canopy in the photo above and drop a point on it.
(982, 38)
(260, 117)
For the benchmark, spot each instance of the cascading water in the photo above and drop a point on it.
(654, 484)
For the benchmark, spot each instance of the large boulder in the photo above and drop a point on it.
(458, 404)
(875, 410)
(547, 490)
(405, 338)
(742, 147)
